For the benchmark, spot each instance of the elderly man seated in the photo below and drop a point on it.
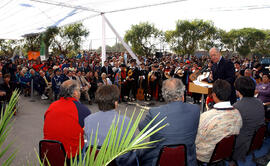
(45, 85)
(64, 119)
(221, 121)
(183, 119)
(84, 86)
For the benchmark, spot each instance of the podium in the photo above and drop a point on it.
(204, 90)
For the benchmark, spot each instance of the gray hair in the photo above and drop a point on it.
(173, 89)
(216, 49)
(67, 90)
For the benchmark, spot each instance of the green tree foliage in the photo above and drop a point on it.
(263, 46)
(143, 38)
(48, 37)
(7, 47)
(213, 39)
(227, 40)
(32, 42)
(118, 47)
(187, 35)
(246, 40)
(69, 38)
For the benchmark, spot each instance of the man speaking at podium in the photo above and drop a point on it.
(222, 69)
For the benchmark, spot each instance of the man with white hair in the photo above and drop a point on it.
(222, 69)
(183, 119)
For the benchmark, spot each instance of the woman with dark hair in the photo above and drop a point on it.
(107, 98)
(252, 113)
(7, 87)
(263, 89)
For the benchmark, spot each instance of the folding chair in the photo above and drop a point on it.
(174, 155)
(223, 150)
(52, 151)
(257, 140)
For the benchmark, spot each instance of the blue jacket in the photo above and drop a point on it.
(183, 120)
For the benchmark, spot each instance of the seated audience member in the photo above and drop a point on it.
(84, 86)
(252, 113)
(64, 119)
(44, 85)
(263, 89)
(1, 78)
(6, 87)
(25, 83)
(105, 79)
(107, 98)
(221, 121)
(56, 82)
(248, 73)
(34, 76)
(183, 119)
(64, 73)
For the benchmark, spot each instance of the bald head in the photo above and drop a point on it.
(214, 55)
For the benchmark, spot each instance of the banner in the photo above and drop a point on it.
(42, 51)
(33, 55)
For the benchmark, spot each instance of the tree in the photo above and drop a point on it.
(7, 47)
(32, 42)
(213, 39)
(118, 47)
(143, 38)
(187, 35)
(48, 36)
(69, 38)
(246, 39)
(263, 46)
(227, 40)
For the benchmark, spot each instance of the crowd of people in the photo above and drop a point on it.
(240, 87)
(136, 81)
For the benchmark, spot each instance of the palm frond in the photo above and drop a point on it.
(118, 141)
(5, 126)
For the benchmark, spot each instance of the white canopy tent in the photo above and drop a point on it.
(33, 16)
(20, 17)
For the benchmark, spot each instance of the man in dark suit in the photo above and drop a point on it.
(107, 69)
(222, 69)
(183, 120)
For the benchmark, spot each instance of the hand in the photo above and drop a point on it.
(2, 93)
(211, 77)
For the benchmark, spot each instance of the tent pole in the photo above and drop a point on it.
(103, 51)
(122, 41)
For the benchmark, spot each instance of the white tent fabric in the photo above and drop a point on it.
(20, 17)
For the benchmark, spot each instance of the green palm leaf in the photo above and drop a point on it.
(5, 127)
(118, 141)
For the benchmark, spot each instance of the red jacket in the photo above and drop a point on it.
(64, 122)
